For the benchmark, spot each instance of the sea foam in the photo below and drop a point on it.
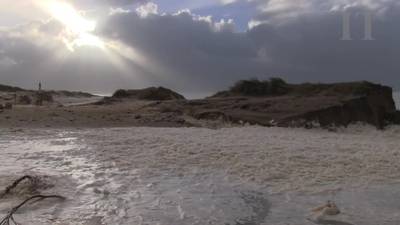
(396, 97)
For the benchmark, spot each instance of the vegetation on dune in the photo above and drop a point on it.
(341, 89)
(255, 87)
(277, 86)
(152, 93)
(7, 88)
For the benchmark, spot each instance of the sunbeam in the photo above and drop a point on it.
(78, 30)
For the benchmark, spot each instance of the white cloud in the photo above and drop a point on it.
(225, 2)
(255, 23)
(118, 10)
(147, 9)
(225, 25)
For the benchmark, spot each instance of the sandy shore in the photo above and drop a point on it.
(75, 110)
(82, 115)
(248, 175)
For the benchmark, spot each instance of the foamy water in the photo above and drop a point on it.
(180, 176)
(396, 97)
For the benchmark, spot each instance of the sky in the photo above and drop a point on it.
(196, 47)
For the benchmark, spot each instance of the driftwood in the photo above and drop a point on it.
(9, 218)
(15, 184)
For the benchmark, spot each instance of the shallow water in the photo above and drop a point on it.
(235, 176)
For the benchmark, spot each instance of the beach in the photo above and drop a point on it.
(241, 175)
(213, 112)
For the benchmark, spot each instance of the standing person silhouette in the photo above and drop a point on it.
(39, 95)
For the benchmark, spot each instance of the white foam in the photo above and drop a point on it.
(195, 175)
(396, 97)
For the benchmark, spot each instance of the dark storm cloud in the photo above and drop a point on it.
(311, 49)
(193, 54)
(200, 54)
(308, 48)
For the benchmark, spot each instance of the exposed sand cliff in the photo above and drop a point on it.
(269, 103)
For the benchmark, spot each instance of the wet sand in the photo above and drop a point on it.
(236, 176)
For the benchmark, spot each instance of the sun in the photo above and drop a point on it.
(78, 30)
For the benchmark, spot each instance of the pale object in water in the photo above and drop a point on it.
(328, 209)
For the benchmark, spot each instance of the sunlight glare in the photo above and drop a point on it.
(79, 32)
(78, 29)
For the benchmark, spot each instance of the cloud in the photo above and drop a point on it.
(196, 54)
(120, 2)
(305, 49)
(187, 52)
(280, 11)
(147, 9)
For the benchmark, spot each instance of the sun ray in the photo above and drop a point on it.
(78, 30)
